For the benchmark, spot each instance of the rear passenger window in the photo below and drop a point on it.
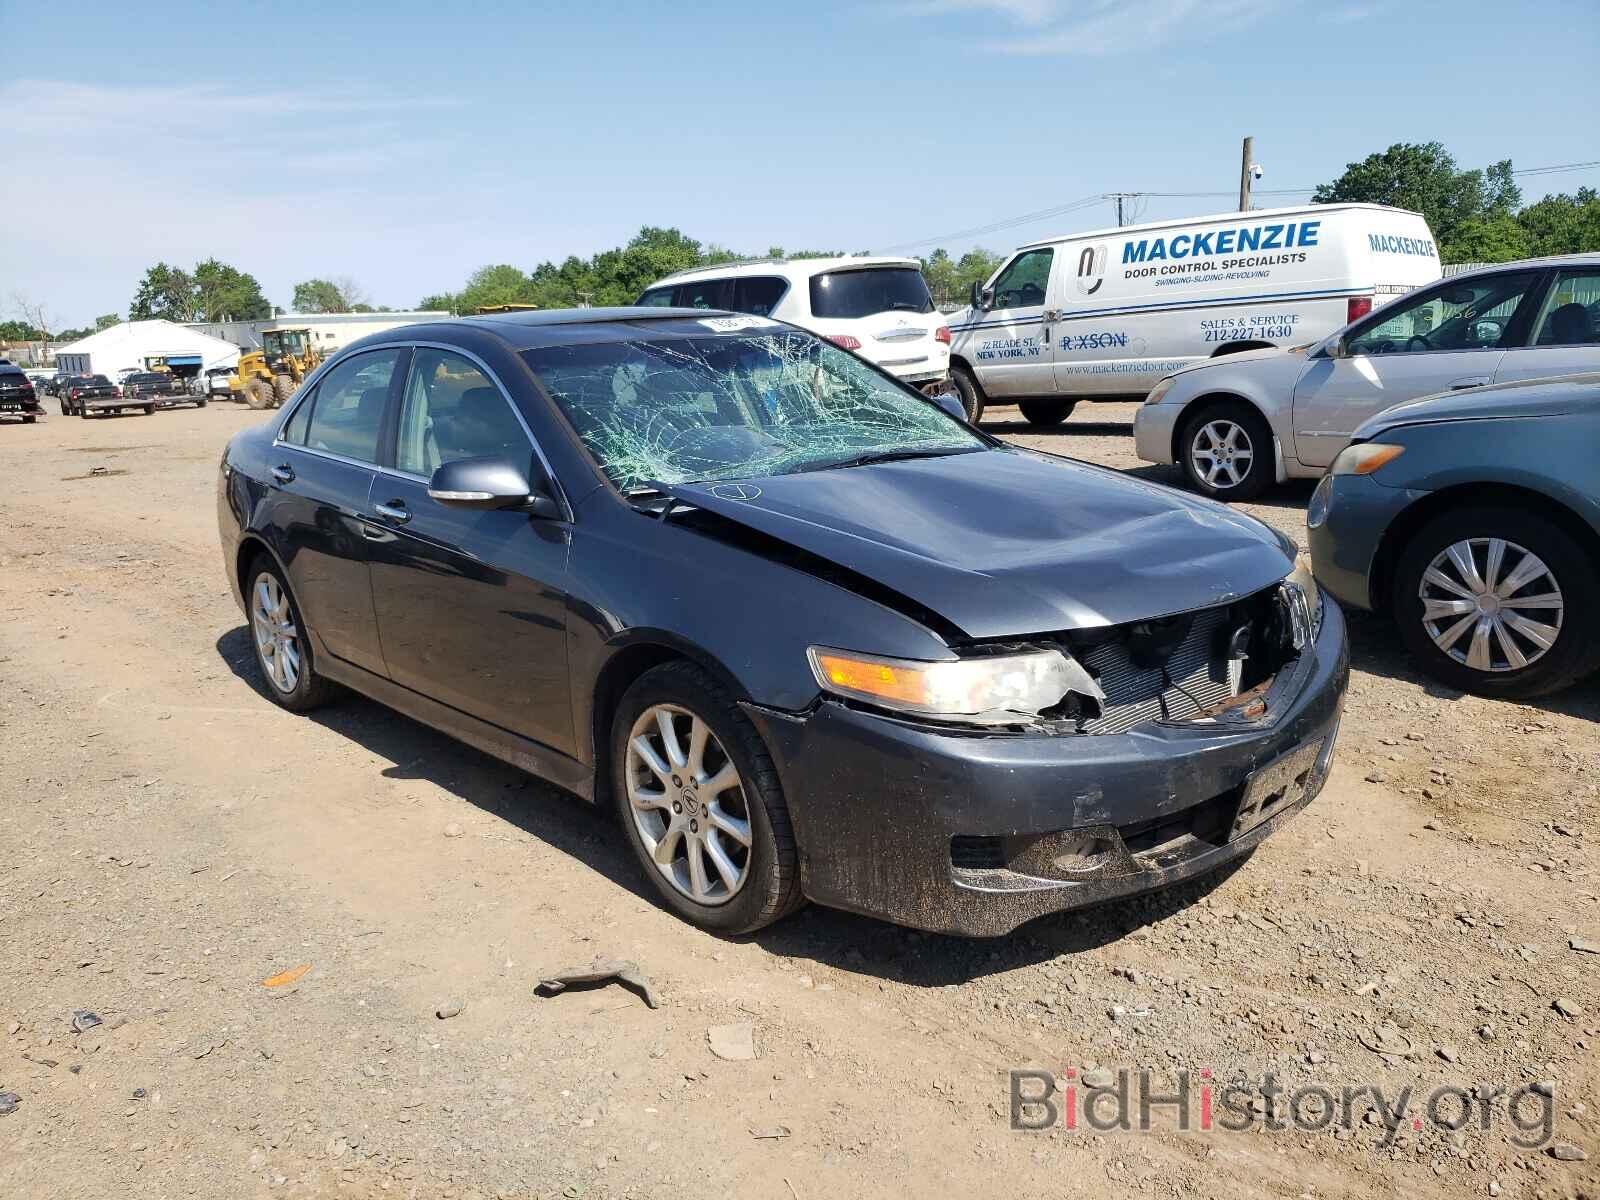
(660, 298)
(1571, 315)
(705, 293)
(452, 410)
(758, 294)
(347, 413)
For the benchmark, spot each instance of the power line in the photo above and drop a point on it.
(1046, 214)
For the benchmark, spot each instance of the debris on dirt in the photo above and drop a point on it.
(1567, 1152)
(285, 978)
(43, 1062)
(601, 971)
(8, 1103)
(1387, 1039)
(1567, 1008)
(83, 1020)
(775, 1131)
(450, 1008)
(1583, 946)
(453, 829)
(736, 1043)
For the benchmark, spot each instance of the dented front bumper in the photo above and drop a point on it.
(975, 834)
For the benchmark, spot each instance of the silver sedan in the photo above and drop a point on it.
(1239, 423)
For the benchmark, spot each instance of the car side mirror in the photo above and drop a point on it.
(982, 297)
(951, 403)
(491, 483)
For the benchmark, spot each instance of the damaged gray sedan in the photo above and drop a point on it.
(809, 634)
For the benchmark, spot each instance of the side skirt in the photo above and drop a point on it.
(523, 753)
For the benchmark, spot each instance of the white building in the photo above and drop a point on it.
(330, 332)
(133, 345)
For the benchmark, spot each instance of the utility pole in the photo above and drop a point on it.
(1119, 210)
(1244, 175)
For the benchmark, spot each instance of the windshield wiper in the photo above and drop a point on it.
(884, 456)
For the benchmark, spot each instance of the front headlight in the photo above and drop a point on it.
(1160, 390)
(1364, 458)
(1303, 590)
(999, 690)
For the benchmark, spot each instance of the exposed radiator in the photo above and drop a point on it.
(1134, 695)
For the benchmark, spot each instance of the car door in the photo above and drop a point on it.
(321, 472)
(1564, 337)
(471, 603)
(1452, 335)
(1009, 349)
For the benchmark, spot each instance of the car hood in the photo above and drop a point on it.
(1522, 398)
(1007, 542)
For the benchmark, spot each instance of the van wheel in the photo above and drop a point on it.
(1044, 414)
(1226, 451)
(971, 393)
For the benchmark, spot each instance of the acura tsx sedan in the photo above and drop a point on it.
(811, 635)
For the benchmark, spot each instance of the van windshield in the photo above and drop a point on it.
(865, 291)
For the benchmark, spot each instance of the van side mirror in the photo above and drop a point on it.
(982, 297)
(491, 483)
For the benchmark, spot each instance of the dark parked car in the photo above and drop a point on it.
(80, 391)
(808, 633)
(1473, 520)
(17, 397)
(164, 389)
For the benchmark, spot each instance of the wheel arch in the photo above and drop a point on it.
(1239, 347)
(1200, 401)
(250, 547)
(961, 360)
(1411, 520)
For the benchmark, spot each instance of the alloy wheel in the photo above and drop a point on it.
(277, 637)
(1491, 604)
(688, 804)
(1221, 453)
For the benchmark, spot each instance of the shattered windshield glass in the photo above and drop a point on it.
(684, 410)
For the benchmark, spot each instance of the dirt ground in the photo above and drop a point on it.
(173, 840)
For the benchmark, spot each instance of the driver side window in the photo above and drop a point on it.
(452, 410)
(1472, 315)
(1024, 282)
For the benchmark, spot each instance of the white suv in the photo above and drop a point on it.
(878, 307)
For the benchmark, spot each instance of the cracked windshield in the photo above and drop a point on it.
(726, 407)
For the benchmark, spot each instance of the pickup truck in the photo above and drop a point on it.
(165, 389)
(85, 394)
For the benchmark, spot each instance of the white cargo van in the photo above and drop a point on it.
(1105, 315)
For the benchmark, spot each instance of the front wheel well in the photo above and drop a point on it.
(1238, 347)
(1406, 526)
(957, 361)
(1200, 402)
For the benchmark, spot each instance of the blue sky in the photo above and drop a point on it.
(409, 143)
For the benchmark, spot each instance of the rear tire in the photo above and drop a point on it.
(1226, 451)
(281, 640)
(972, 398)
(1045, 414)
(282, 389)
(149, 410)
(1569, 576)
(769, 886)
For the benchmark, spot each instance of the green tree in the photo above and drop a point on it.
(1563, 224)
(222, 293)
(1425, 178)
(106, 322)
(1498, 237)
(497, 284)
(165, 292)
(317, 296)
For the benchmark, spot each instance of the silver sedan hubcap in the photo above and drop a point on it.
(1222, 453)
(277, 639)
(1491, 605)
(688, 804)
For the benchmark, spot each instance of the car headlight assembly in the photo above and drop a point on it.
(1158, 393)
(1364, 458)
(1001, 689)
(1305, 602)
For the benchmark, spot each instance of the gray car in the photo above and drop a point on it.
(1473, 520)
(1239, 423)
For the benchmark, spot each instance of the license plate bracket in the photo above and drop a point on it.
(1276, 786)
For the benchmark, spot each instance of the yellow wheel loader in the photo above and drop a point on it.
(265, 378)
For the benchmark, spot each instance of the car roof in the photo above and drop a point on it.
(1591, 259)
(531, 330)
(792, 267)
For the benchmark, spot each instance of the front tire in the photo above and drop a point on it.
(282, 389)
(283, 649)
(1499, 601)
(1046, 414)
(701, 804)
(1226, 451)
(258, 393)
(972, 398)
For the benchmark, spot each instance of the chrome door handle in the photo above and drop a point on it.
(283, 473)
(395, 510)
(1475, 381)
